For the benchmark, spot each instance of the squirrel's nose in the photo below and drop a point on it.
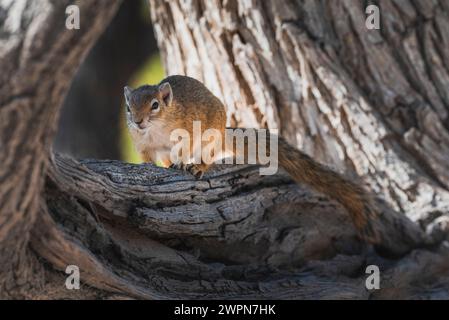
(138, 123)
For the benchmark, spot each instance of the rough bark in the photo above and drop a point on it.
(371, 102)
(38, 59)
(148, 232)
(144, 232)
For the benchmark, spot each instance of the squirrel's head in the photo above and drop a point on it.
(147, 103)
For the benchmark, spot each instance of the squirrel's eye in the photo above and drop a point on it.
(155, 105)
(127, 108)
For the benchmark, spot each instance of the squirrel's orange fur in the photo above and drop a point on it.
(154, 111)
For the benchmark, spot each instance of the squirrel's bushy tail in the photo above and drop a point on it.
(359, 204)
(303, 169)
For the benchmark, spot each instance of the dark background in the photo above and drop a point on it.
(91, 123)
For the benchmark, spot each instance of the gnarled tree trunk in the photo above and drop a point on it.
(370, 103)
(38, 59)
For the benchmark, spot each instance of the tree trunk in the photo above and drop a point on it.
(38, 59)
(370, 103)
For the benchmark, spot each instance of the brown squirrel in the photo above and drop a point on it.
(153, 111)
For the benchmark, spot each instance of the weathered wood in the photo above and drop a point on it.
(96, 95)
(373, 103)
(38, 59)
(233, 204)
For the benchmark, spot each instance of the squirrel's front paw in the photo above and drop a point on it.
(178, 166)
(195, 170)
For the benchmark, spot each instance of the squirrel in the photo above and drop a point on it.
(153, 111)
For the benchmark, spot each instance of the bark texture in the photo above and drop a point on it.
(371, 103)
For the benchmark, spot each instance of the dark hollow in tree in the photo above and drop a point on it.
(371, 103)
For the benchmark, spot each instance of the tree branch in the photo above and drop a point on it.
(149, 232)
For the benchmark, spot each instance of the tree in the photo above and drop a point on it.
(371, 103)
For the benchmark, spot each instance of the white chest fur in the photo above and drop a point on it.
(153, 141)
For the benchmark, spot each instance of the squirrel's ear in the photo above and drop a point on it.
(127, 93)
(167, 93)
